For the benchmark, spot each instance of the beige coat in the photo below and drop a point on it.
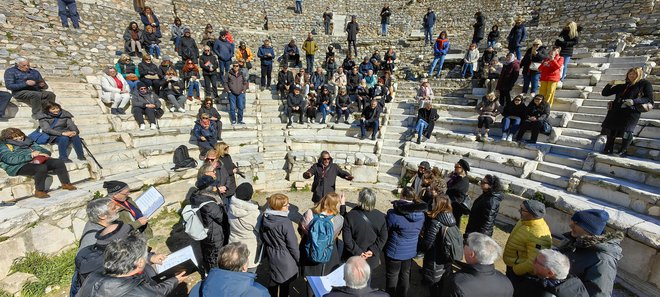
(244, 224)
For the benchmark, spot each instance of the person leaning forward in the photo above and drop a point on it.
(325, 176)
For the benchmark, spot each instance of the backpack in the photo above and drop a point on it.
(182, 159)
(452, 241)
(192, 224)
(320, 239)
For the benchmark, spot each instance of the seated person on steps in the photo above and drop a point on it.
(295, 104)
(172, 90)
(27, 84)
(206, 134)
(370, 119)
(146, 102)
(115, 90)
(58, 124)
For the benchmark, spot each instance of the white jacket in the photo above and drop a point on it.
(244, 223)
(109, 90)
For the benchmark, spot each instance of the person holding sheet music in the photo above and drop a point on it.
(212, 215)
(129, 213)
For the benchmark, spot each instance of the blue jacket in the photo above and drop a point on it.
(15, 79)
(364, 67)
(263, 51)
(221, 283)
(209, 133)
(436, 47)
(223, 49)
(516, 37)
(429, 20)
(404, 222)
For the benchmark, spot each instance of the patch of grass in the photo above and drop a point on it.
(538, 196)
(306, 188)
(50, 271)
(97, 195)
(4, 293)
(255, 178)
(293, 188)
(9, 35)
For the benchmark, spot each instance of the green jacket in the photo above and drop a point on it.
(13, 158)
(126, 218)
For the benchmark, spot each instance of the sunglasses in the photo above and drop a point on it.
(325, 159)
(205, 118)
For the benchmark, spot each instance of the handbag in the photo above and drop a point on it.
(40, 159)
(39, 136)
(534, 66)
(131, 77)
(547, 128)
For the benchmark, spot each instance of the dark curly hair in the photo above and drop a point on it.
(494, 182)
(10, 133)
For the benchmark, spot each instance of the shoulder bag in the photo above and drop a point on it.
(39, 136)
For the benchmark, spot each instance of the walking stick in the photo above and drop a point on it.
(90, 153)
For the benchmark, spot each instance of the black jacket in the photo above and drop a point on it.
(284, 78)
(343, 101)
(209, 63)
(149, 69)
(361, 236)
(493, 35)
(479, 28)
(211, 216)
(172, 87)
(435, 260)
(280, 244)
(100, 285)
(513, 110)
(228, 165)
(625, 118)
(483, 213)
(428, 115)
(534, 287)
(348, 292)
(385, 14)
(541, 112)
(371, 115)
(295, 100)
(348, 65)
(488, 56)
(528, 59)
(478, 281)
(352, 29)
(567, 44)
(325, 178)
(188, 49)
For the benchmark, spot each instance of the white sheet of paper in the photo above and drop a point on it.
(150, 201)
(322, 285)
(176, 258)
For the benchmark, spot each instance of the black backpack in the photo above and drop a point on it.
(182, 159)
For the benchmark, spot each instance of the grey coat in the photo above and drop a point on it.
(140, 100)
(281, 245)
(593, 260)
(65, 123)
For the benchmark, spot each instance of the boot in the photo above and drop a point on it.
(121, 111)
(41, 194)
(484, 137)
(419, 139)
(290, 123)
(69, 187)
(623, 152)
(114, 111)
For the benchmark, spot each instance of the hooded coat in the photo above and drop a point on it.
(244, 225)
(594, 259)
(280, 244)
(404, 222)
(225, 283)
(325, 178)
(483, 213)
(64, 123)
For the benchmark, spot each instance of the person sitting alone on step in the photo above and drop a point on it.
(58, 124)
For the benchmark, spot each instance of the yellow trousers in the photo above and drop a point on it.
(547, 89)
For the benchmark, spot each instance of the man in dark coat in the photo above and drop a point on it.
(426, 117)
(235, 84)
(479, 278)
(370, 119)
(365, 231)
(352, 29)
(266, 55)
(27, 84)
(284, 81)
(356, 274)
(325, 176)
(295, 103)
(428, 22)
(478, 34)
(188, 48)
(551, 278)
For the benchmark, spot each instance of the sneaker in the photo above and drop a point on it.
(504, 136)
(182, 109)
(241, 123)
(531, 95)
(67, 160)
(233, 122)
(153, 127)
(172, 109)
(142, 126)
(509, 137)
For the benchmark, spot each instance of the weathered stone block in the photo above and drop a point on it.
(13, 283)
(57, 238)
(11, 249)
(636, 257)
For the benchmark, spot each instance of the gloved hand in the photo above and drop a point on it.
(628, 102)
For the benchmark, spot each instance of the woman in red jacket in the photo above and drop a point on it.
(551, 74)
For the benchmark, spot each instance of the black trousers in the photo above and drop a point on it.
(36, 98)
(39, 172)
(505, 97)
(352, 42)
(281, 290)
(211, 85)
(139, 112)
(266, 75)
(397, 277)
(626, 138)
(301, 111)
(535, 127)
(153, 83)
(484, 122)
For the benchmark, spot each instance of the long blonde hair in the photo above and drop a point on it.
(329, 204)
(640, 74)
(221, 147)
(572, 29)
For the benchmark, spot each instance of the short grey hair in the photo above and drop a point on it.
(367, 199)
(233, 256)
(486, 250)
(123, 255)
(97, 208)
(357, 272)
(20, 60)
(556, 262)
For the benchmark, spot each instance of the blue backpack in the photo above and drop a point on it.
(320, 239)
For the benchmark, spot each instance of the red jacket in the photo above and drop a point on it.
(551, 72)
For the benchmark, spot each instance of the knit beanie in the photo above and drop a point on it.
(141, 85)
(591, 220)
(425, 164)
(114, 186)
(535, 208)
(464, 164)
(244, 191)
(204, 182)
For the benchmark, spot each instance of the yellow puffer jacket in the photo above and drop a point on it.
(524, 243)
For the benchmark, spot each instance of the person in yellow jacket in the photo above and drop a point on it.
(530, 235)
(244, 57)
(310, 47)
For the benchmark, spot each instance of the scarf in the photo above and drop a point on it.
(134, 35)
(26, 143)
(206, 123)
(507, 62)
(442, 42)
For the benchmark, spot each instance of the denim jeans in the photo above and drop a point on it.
(324, 110)
(532, 79)
(177, 42)
(467, 67)
(154, 50)
(567, 59)
(383, 29)
(437, 59)
(177, 102)
(236, 105)
(517, 52)
(132, 85)
(340, 112)
(364, 125)
(428, 36)
(420, 127)
(491, 43)
(298, 6)
(223, 67)
(192, 87)
(310, 63)
(63, 143)
(68, 9)
(510, 125)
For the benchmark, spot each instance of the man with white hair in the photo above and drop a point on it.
(479, 278)
(551, 270)
(356, 274)
(27, 84)
(100, 213)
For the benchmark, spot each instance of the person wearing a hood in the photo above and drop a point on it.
(115, 90)
(225, 52)
(280, 245)
(364, 231)
(205, 134)
(151, 41)
(18, 154)
(404, 223)
(146, 102)
(212, 214)
(458, 186)
(58, 124)
(593, 252)
(231, 277)
(244, 223)
(440, 50)
(187, 47)
(516, 37)
(150, 74)
(436, 261)
(132, 40)
(177, 30)
(486, 207)
(310, 47)
(128, 211)
(208, 108)
(512, 115)
(479, 26)
(343, 104)
(325, 176)
(126, 270)
(508, 78)
(528, 237)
